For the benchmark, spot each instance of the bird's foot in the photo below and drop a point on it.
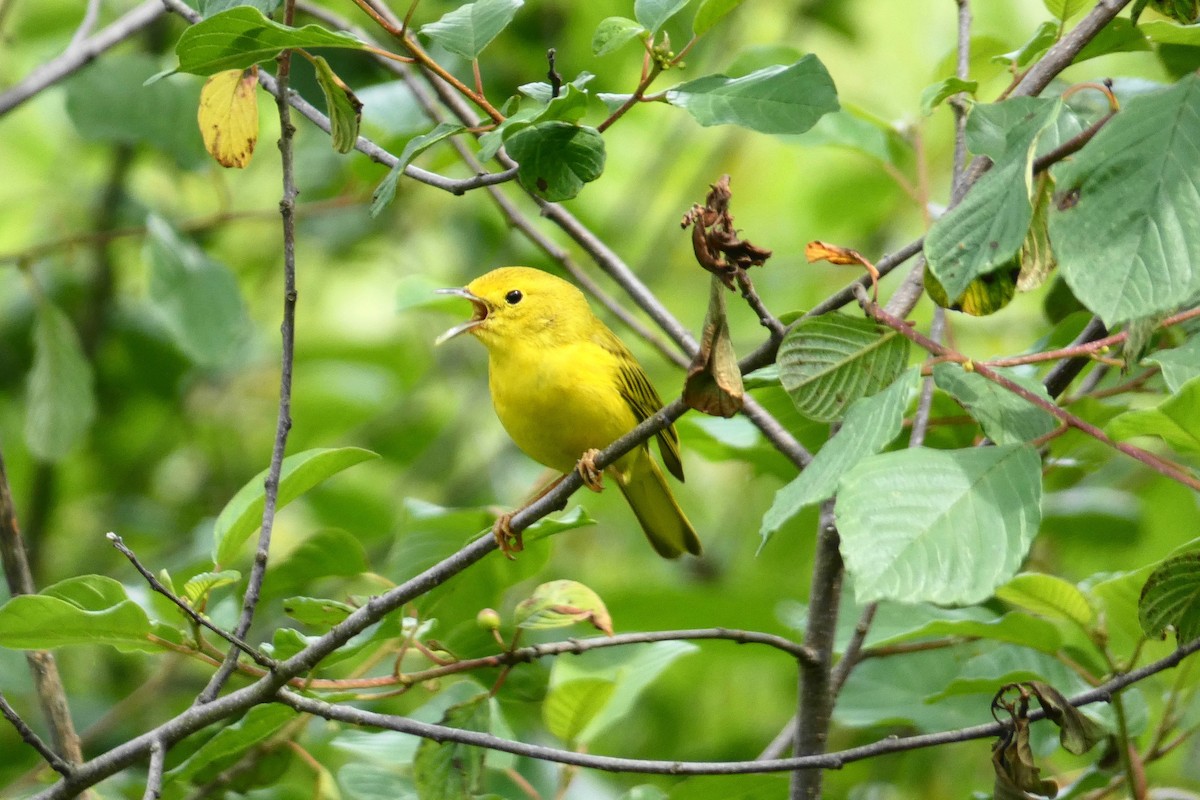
(593, 476)
(509, 540)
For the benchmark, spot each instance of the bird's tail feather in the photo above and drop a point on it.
(648, 495)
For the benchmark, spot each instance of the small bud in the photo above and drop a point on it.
(488, 619)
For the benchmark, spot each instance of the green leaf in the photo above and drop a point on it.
(230, 743)
(210, 8)
(450, 770)
(938, 526)
(1043, 37)
(468, 29)
(374, 782)
(328, 552)
(1065, 9)
(570, 706)
(199, 586)
(319, 612)
(107, 102)
(1175, 420)
(560, 604)
(344, 109)
(1006, 664)
(895, 690)
(546, 527)
(1005, 417)
(710, 13)
(1012, 628)
(242, 36)
(555, 159)
(1048, 596)
(1180, 364)
(829, 361)
(775, 99)
(242, 515)
(653, 14)
(1126, 219)
(645, 792)
(862, 132)
(1118, 36)
(613, 33)
(870, 424)
(1161, 31)
(60, 397)
(933, 96)
(569, 106)
(197, 299)
(985, 231)
(89, 609)
(1171, 597)
(386, 191)
(631, 670)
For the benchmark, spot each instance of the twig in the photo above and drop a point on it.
(832, 760)
(80, 54)
(86, 25)
(154, 776)
(854, 648)
(920, 424)
(195, 616)
(815, 693)
(287, 212)
(43, 667)
(33, 740)
(1156, 463)
(1060, 56)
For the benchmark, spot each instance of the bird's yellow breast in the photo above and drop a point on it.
(558, 401)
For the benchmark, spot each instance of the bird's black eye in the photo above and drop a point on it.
(513, 297)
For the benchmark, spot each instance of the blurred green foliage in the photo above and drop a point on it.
(107, 197)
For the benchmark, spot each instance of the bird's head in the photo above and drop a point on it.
(513, 303)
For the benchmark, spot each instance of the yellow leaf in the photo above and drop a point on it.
(228, 116)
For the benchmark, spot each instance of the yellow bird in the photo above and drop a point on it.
(564, 386)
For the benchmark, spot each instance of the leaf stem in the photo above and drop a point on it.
(1156, 463)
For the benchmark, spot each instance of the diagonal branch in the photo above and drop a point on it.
(81, 53)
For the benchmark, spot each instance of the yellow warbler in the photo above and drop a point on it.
(564, 386)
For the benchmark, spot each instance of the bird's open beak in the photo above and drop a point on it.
(479, 312)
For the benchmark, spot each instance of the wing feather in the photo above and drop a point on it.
(636, 389)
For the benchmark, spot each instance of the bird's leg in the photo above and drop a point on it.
(508, 539)
(593, 476)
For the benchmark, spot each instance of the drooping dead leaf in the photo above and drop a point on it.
(715, 241)
(345, 109)
(1077, 733)
(844, 256)
(228, 116)
(714, 380)
(1012, 757)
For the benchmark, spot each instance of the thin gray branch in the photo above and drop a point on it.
(815, 694)
(834, 760)
(80, 54)
(1060, 56)
(32, 739)
(43, 667)
(283, 425)
(261, 658)
(154, 776)
(920, 426)
(90, 15)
